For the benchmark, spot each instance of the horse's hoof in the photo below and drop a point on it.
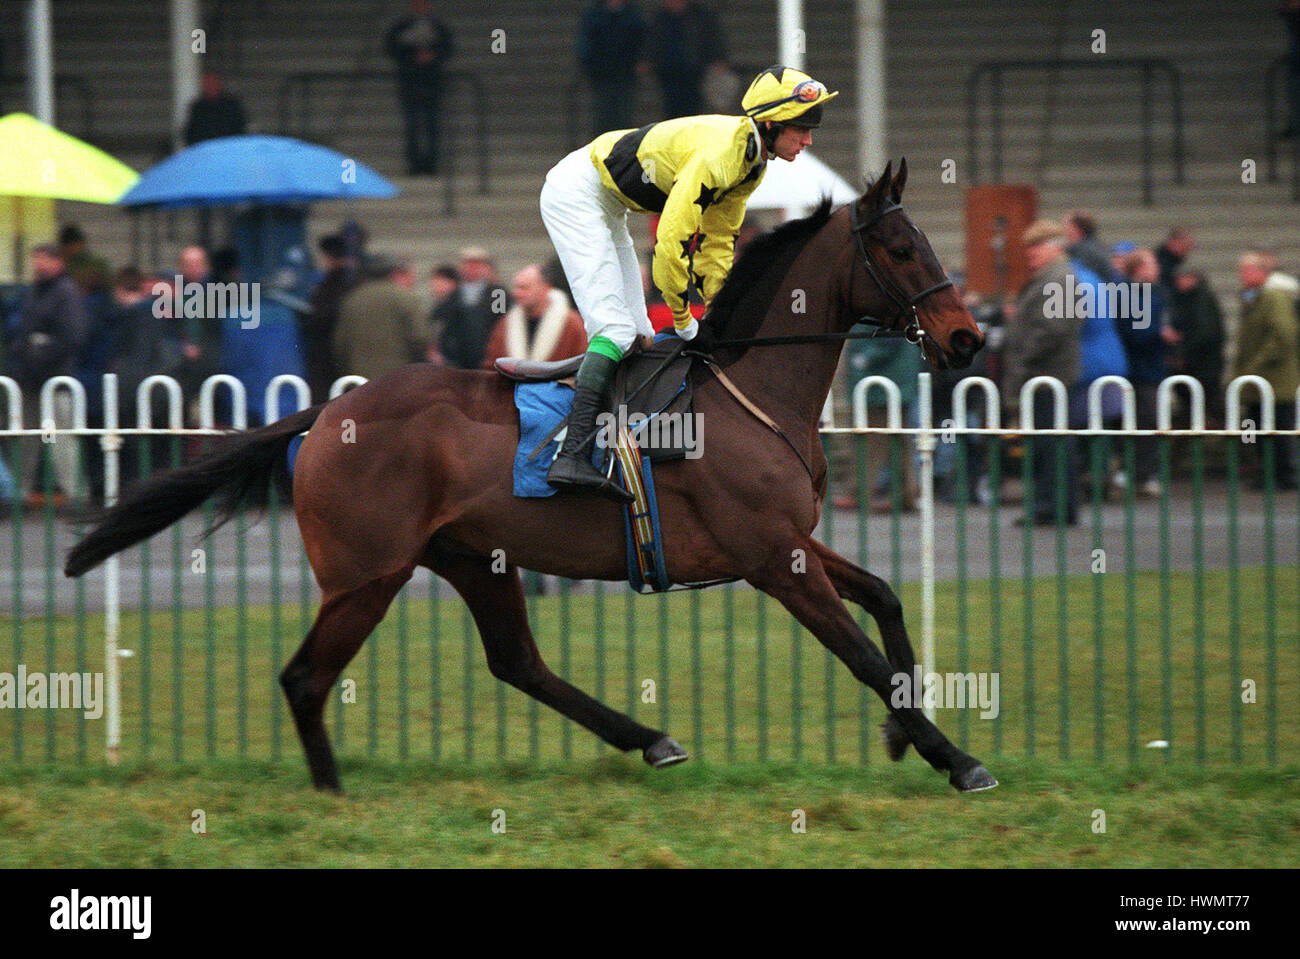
(664, 752)
(972, 780)
(895, 738)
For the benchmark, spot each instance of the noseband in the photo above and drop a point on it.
(910, 328)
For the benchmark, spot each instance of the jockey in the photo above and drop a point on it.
(697, 173)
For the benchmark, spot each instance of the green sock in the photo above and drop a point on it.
(598, 365)
(605, 347)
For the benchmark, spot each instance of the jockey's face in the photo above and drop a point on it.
(791, 141)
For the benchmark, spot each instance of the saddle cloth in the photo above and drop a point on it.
(644, 384)
(650, 384)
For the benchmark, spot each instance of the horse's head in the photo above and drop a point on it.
(898, 279)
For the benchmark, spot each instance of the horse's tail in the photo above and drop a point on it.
(240, 469)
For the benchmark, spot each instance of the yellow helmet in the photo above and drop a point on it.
(785, 95)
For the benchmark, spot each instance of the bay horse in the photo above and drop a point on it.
(414, 469)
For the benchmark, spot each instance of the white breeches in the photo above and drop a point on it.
(588, 227)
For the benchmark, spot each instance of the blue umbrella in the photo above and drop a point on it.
(255, 169)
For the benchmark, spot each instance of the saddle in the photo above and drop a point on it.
(536, 371)
(652, 380)
(655, 381)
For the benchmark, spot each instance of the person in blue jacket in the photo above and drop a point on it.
(1101, 353)
(1147, 340)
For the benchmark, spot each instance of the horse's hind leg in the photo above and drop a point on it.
(873, 594)
(341, 626)
(496, 601)
(812, 598)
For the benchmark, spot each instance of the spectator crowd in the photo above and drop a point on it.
(365, 315)
(1169, 321)
(1152, 314)
(370, 311)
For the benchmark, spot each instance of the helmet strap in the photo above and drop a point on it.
(770, 130)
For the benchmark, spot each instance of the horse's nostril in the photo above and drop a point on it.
(965, 343)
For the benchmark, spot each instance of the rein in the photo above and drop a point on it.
(881, 332)
(906, 304)
(911, 330)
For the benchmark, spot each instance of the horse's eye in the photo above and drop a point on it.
(901, 253)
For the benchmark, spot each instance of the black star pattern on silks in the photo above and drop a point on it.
(685, 294)
(706, 197)
(697, 279)
(687, 244)
(753, 174)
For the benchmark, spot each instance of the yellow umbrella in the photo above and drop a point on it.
(39, 164)
(38, 160)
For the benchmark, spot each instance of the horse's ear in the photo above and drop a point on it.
(871, 199)
(900, 181)
(880, 190)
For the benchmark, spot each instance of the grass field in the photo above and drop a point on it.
(617, 812)
(429, 748)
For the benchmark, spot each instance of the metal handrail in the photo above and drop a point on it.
(296, 91)
(1272, 128)
(1147, 67)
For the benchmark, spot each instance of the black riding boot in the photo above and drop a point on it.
(572, 469)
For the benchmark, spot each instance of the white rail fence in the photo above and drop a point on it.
(926, 434)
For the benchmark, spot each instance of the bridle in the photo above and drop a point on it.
(898, 325)
(911, 329)
(906, 304)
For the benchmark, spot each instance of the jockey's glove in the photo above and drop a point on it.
(702, 337)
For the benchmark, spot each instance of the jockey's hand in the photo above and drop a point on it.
(700, 336)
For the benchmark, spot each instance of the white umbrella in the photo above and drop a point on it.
(797, 187)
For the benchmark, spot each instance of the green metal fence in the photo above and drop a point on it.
(1153, 629)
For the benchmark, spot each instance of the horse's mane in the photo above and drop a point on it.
(738, 310)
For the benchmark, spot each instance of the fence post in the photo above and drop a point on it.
(345, 383)
(111, 443)
(146, 462)
(925, 447)
(273, 388)
(1060, 423)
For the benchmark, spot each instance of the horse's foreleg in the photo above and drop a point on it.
(496, 601)
(341, 626)
(811, 597)
(873, 594)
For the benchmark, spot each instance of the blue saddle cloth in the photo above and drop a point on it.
(541, 408)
